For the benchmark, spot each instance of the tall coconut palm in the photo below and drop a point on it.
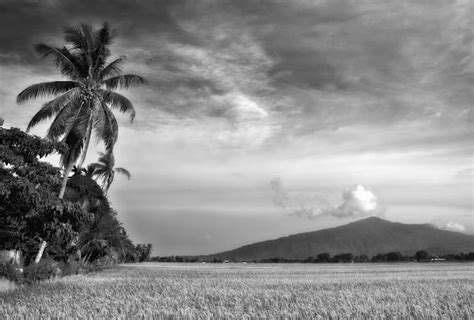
(105, 170)
(82, 104)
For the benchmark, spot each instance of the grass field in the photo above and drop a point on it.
(295, 291)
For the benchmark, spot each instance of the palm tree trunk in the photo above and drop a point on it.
(86, 144)
(65, 178)
(40, 251)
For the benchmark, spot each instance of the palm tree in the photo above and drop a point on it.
(82, 171)
(105, 170)
(83, 103)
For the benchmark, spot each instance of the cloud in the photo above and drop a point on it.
(279, 196)
(450, 226)
(303, 67)
(358, 202)
(454, 226)
(299, 205)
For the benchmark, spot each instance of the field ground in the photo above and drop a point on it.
(248, 291)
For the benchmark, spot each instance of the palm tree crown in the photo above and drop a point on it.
(105, 170)
(82, 104)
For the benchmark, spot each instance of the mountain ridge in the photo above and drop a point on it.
(368, 236)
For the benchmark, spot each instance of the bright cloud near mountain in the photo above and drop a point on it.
(454, 226)
(358, 202)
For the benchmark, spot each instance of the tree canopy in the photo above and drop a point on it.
(31, 210)
(29, 206)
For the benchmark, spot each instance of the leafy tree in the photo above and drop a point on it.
(324, 257)
(82, 104)
(379, 257)
(361, 258)
(143, 251)
(105, 170)
(394, 256)
(30, 210)
(343, 257)
(422, 255)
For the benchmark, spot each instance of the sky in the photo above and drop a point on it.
(268, 118)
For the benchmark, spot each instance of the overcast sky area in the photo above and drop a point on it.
(268, 118)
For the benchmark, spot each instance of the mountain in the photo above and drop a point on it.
(368, 236)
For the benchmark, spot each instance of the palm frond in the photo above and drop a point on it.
(100, 52)
(74, 36)
(108, 181)
(74, 142)
(106, 159)
(92, 168)
(76, 131)
(100, 172)
(88, 36)
(52, 107)
(106, 127)
(123, 171)
(124, 81)
(63, 59)
(80, 124)
(74, 116)
(113, 68)
(45, 89)
(76, 170)
(62, 119)
(104, 36)
(116, 100)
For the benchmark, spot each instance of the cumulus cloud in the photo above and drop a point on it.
(358, 202)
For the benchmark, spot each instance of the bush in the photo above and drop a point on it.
(12, 272)
(71, 268)
(45, 269)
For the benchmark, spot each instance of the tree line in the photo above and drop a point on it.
(420, 256)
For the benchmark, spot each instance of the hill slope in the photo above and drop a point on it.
(368, 236)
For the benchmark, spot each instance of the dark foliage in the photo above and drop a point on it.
(344, 257)
(80, 226)
(143, 252)
(45, 269)
(103, 236)
(324, 257)
(422, 255)
(11, 271)
(30, 210)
